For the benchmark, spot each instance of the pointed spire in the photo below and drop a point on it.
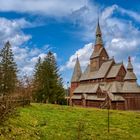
(77, 57)
(98, 35)
(8, 43)
(130, 75)
(129, 66)
(98, 30)
(77, 71)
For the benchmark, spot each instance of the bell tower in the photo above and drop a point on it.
(99, 54)
(130, 75)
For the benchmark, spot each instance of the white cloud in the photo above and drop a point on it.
(130, 13)
(121, 48)
(26, 58)
(34, 59)
(83, 55)
(45, 7)
(115, 8)
(108, 12)
(11, 30)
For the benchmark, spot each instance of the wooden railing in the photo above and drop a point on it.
(8, 103)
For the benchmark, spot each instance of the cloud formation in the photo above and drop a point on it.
(83, 55)
(12, 30)
(44, 7)
(26, 57)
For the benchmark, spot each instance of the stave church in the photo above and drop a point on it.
(104, 82)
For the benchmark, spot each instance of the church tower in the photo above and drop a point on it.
(99, 54)
(75, 76)
(130, 75)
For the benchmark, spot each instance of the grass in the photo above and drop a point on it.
(53, 122)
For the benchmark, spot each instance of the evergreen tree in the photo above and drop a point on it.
(37, 73)
(1, 79)
(37, 83)
(50, 87)
(8, 70)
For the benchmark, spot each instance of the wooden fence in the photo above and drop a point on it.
(7, 104)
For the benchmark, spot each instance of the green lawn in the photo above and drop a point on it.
(52, 122)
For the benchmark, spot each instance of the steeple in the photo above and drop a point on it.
(129, 66)
(98, 40)
(99, 54)
(130, 75)
(77, 72)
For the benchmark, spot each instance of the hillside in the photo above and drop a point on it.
(52, 122)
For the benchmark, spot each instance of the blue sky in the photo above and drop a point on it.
(67, 27)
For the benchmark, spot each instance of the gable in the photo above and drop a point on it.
(103, 54)
(115, 70)
(122, 72)
(102, 72)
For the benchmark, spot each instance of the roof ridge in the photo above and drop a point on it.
(111, 59)
(120, 63)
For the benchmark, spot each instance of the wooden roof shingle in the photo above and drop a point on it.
(130, 87)
(102, 72)
(114, 70)
(87, 88)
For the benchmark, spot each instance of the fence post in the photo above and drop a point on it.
(108, 108)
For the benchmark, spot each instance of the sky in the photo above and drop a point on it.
(67, 28)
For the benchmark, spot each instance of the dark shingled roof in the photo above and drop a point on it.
(114, 70)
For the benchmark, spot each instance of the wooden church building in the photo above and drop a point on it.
(104, 82)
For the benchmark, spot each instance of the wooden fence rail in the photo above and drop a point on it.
(7, 104)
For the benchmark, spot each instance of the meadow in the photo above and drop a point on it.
(54, 122)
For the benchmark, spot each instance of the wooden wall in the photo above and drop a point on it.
(132, 101)
(90, 103)
(74, 85)
(120, 105)
(77, 102)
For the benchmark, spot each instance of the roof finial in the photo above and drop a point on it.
(98, 30)
(98, 35)
(129, 66)
(77, 55)
(129, 59)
